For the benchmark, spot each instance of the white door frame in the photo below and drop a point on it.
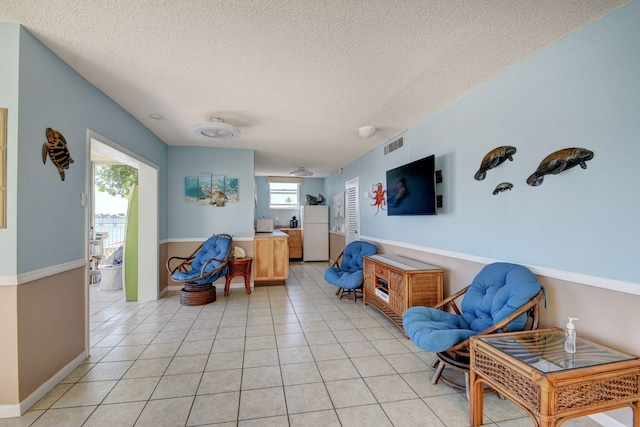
(148, 183)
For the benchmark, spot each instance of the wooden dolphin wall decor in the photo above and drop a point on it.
(56, 147)
(560, 161)
(494, 158)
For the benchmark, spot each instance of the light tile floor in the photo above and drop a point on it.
(289, 355)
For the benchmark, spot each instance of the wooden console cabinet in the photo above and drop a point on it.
(393, 283)
(271, 258)
(295, 242)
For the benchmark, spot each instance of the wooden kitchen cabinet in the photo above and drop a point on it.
(393, 283)
(295, 242)
(271, 258)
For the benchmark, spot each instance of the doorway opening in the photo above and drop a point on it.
(98, 148)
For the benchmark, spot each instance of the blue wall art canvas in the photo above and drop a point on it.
(231, 190)
(191, 188)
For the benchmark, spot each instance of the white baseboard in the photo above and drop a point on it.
(607, 421)
(12, 411)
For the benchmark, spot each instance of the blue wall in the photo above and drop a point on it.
(192, 220)
(312, 186)
(583, 91)
(51, 221)
(9, 77)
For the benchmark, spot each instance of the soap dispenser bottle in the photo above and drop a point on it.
(570, 336)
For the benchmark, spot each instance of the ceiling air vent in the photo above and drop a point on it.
(393, 146)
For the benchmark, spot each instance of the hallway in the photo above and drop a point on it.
(290, 355)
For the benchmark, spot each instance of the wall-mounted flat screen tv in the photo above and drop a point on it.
(411, 188)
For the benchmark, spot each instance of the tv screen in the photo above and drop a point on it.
(411, 189)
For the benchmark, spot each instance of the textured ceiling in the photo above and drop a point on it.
(298, 77)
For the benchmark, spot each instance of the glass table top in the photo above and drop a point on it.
(544, 350)
(402, 263)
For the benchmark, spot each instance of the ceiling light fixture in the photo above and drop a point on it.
(156, 116)
(216, 129)
(367, 131)
(301, 171)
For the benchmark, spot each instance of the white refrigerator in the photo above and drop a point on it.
(315, 232)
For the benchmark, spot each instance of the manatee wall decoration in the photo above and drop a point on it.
(503, 186)
(560, 161)
(494, 158)
(56, 147)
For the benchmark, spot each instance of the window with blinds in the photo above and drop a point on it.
(283, 195)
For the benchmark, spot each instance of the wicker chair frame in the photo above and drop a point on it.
(457, 356)
(357, 292)
(194, 293)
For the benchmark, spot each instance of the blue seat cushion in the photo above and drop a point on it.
(342, 278)
(435, 330)
(215, 247)
(496, 292)
(349, 275)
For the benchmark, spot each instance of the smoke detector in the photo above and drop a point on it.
(367, 131)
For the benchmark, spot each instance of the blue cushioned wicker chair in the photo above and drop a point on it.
(348, 276)
(199, 270)
(502, 297)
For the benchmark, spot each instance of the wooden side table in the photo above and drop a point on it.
(238, 267)
(532, 369)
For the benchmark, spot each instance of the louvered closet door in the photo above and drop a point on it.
(352, 211)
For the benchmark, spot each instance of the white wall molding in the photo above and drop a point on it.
(8, 280)
(42, 273)
(200, 240)
(583, 279)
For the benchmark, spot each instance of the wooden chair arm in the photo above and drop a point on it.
(223, 262)
(185, 262)
(336, 263)
(451, 300)
(502, 325)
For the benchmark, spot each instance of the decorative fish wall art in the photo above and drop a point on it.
(56, 147)
(560, 161)
(311, 200)
(494, 158)
(503, 186)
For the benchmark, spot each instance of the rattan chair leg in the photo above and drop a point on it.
(466, 386)
(438, 373)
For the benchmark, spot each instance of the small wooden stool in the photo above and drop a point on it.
(238, 267)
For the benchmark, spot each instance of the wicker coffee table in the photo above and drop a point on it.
(532, 369)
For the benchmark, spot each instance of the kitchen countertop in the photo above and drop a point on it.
(274, 233)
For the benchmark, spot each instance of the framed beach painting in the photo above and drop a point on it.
(338, 205)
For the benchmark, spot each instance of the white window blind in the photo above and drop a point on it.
(283, 195)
